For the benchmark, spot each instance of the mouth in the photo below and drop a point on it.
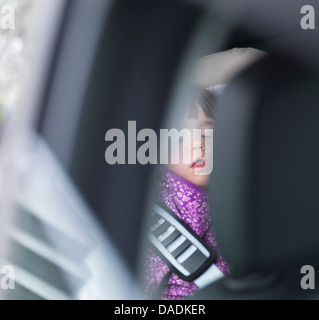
(199, 163)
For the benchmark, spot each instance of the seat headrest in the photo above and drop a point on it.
(265, 182)
(221, 67)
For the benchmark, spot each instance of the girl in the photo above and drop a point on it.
(183, 191)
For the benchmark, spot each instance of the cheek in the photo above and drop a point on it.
(178, 156)
(180, 169)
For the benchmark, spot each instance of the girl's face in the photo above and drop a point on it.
(197, 149)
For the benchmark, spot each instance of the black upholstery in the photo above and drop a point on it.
(265, 183)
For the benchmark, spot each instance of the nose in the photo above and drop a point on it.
(198, 149)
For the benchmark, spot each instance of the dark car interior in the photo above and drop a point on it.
(134, 65)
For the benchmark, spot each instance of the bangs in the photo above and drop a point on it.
(206, 100)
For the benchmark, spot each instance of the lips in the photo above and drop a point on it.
(199, 163)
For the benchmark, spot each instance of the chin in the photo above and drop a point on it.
(199, 181)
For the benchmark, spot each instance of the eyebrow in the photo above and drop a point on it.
(208, 122)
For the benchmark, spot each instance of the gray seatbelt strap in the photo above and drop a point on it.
(189, 256)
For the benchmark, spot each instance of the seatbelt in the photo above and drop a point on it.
(187, 255)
